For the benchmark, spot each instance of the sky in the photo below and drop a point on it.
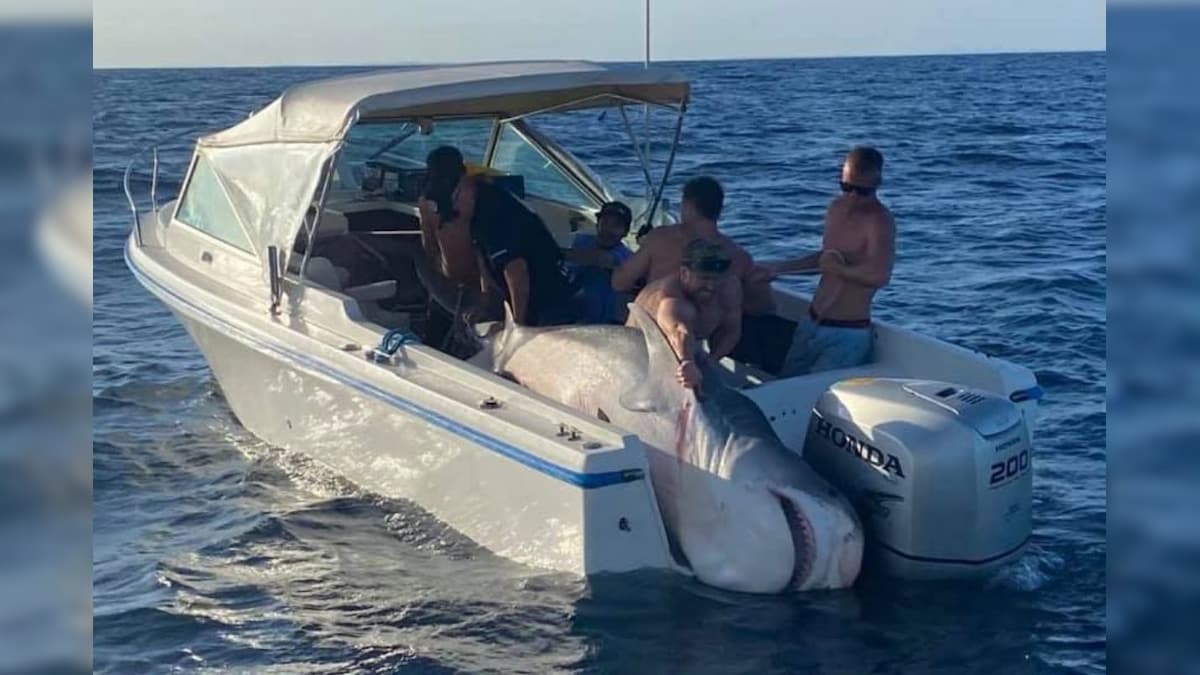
(175, 33)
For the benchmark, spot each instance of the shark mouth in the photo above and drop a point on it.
(803, 539)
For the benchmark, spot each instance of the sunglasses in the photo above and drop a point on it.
(857, 189)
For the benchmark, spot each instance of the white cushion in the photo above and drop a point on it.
(332, 224)
(380, 290)
(322, 272)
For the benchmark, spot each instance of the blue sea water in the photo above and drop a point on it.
(214, 552)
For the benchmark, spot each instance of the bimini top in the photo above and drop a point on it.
(269, 166)
(323, 110)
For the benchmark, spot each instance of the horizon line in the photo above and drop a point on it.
(681, 60)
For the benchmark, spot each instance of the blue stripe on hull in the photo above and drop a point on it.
(586, 481)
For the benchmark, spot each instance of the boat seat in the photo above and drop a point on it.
(334, 225)
(331, 224)
(323, 272)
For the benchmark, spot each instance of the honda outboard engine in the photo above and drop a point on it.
(940, 474)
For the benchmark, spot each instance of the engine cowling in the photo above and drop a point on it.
(941, 475)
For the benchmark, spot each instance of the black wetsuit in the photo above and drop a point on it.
(504, 230)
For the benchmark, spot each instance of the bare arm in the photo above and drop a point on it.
(729, 332)
(487, 293)
(803, 264)
(516, 275)
(875, 269)
(464, 200)
(756, 295)
(590, 257)
(675, 317)
(487, 289)
(626, 277)
(430, 222)
(485, 280)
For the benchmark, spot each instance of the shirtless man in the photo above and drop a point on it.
(699, 301)
(855, 261)
(661, 250)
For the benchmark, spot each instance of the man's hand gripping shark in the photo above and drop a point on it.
(749, 514)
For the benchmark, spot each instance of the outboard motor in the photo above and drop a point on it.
(940, 474)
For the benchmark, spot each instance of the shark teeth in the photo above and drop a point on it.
(803, 539)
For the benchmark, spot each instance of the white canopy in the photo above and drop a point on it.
(321, 111)
(270, 163)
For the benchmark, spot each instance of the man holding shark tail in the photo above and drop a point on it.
(700, 302)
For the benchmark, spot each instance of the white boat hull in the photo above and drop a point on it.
(508, 499)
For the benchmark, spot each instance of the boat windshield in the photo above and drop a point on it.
(403, 146)
(609, 192)
(607, 150)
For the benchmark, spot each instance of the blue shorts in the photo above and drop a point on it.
(821, 347)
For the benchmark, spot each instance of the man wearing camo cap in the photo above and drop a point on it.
(703, 301)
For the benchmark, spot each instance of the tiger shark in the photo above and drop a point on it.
(748, 513)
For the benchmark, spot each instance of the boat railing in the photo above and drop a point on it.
(152, 153)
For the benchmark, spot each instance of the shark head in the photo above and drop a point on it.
(750, 514)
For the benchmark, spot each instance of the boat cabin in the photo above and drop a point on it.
(329, 175)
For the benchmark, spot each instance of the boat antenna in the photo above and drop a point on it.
(647, 62)
(646, 120)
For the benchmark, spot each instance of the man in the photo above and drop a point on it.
(858, 252)
(595, 256)
(468, 223)
(660, 251)
(700, 301)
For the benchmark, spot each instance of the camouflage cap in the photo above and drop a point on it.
(706, 257)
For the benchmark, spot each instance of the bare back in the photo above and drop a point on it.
(668, 244)
(661, 254)
(863, 231)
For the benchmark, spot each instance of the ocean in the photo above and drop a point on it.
(216, 553)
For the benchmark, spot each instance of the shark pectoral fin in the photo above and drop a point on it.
(643, 397)
(602, 416)
(660, 390)
(660, 357)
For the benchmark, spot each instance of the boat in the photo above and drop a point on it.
(291, 256)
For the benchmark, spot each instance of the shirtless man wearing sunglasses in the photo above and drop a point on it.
(855, 261)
